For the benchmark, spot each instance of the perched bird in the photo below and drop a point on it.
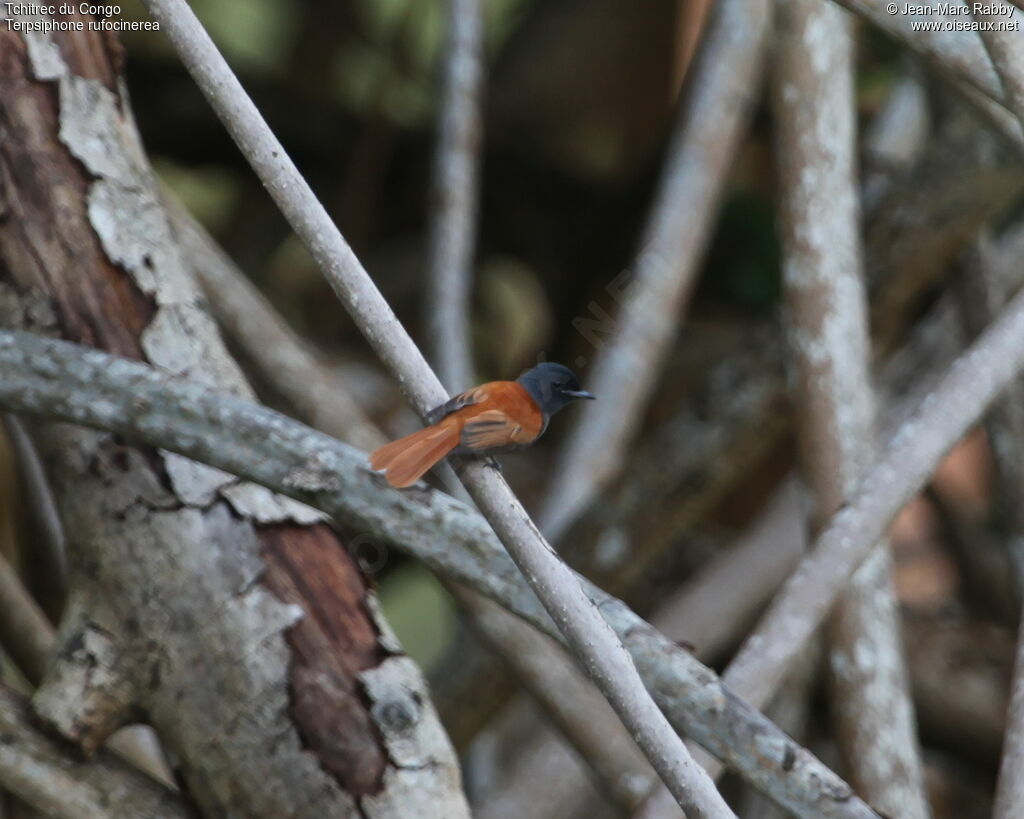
(498, 416)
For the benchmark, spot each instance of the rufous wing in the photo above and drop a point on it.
(493, 429)
(457, 402)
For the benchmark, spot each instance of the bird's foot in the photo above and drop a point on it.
(491, 462)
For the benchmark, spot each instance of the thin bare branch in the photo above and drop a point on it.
(942, 418)
(828, 337)
(714, 112)
(597, 646)
(62, 380)
(281, 356)
(454, 203)
(25, 633)
(51, 546)
(44, 774)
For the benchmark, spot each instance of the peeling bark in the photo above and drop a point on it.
(230, 617)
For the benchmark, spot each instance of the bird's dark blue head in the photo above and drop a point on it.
(552, 386)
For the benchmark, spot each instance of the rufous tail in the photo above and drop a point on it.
(406, 460)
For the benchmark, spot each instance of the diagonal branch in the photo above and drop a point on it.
(942, 418)
(454, 202)
(713, 114)
(62, 380)
(51, 546)
(596, 645)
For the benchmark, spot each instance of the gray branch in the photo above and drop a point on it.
(62, 380)
(454, 204)
(592, 640)
(825, 295)
(51, 548)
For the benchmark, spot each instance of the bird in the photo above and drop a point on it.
(492, 418)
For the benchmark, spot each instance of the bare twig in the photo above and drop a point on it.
(62, 380)
(43, 773)
(25, 633)
(712, 118)
(42, 508)
(454, 203)
(554, 583)
(828, 335)
(942, 418)
(281, 356)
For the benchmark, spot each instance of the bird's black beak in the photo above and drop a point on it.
(579, 394)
